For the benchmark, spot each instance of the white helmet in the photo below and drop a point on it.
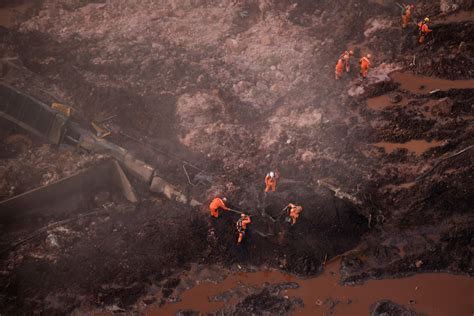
(272, 174)
(224, 199)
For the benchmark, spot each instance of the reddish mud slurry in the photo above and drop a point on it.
(383, 101)
(433, 293)
(421, 84)
(416, 146)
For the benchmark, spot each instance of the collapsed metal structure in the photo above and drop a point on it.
(56, 128)
(32, 115)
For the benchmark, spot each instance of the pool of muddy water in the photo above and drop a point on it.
(431, 293)
(418, 147)
(383, 101)
(422, 84)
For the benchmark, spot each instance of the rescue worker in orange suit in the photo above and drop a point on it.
(216, 205)
(424, 30)
(271, 181)
(346, 58)
(293, 212)
(242, 223)
(365, 65)
(339, 68)
(406, 14)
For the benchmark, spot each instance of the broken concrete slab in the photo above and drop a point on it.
(139, 168)
(159, 185)
(107, 176)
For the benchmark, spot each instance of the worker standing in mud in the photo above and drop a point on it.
(271, 180)
(346, 58)
(241, 226)
(216, 205)
(339, 68)
(365, 65)
(424, 29)
(406, 14)
(293, 212)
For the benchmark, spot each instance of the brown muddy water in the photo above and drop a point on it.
(383, 101)
(431, 293)
(416, 146)
(422, 84)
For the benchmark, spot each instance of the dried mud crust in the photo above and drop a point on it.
(238, 97)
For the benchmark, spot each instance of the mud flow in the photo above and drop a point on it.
(384, 101)
(421, 84)
(418, 147)
(431, 294)
(120, 122)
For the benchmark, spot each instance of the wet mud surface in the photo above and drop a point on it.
(214, 98)
(423, 294)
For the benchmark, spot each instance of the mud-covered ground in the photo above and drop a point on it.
(214, 85)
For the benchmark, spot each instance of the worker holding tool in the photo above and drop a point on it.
(271, 181)
(424, 29)
(293, 212)
(406, 14)
(216, 205)
(346, 58)
(364, 65)
(242, 223)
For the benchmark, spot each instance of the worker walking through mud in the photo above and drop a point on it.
(346, 58)
(216, 205)
(339, 69)
(424, 29)
(241, 226)
(344, 61)
(365, 65)
(293, 212)
(271, 180)
(406, 14)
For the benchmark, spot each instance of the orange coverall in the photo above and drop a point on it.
(346, 57)
(294, 212)
(424, 30)
(215, 205)
(339, 68)
(270, 183)
(241, 227)
(406, 16)
(364, 66)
